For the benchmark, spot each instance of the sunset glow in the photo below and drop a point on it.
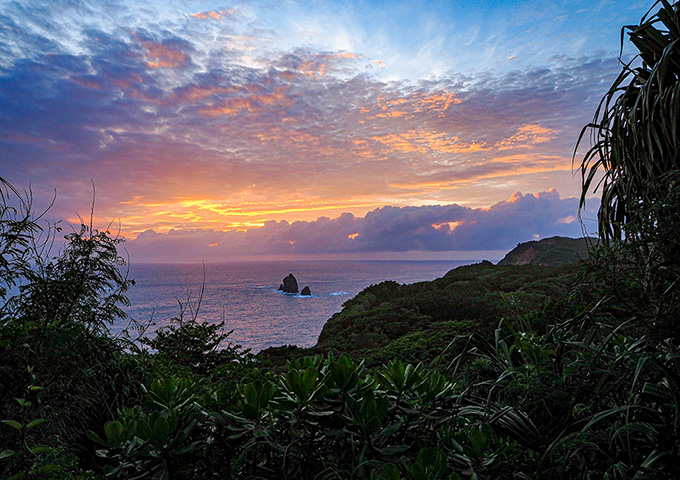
(210, 117)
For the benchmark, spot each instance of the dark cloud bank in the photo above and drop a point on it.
(387, 229)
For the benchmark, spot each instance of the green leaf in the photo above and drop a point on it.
(114, 433)
(12, 423)
(389, 430)
(390, 472)
(653, 457)
(144, 430)
(309, 378)
(480, 439)
(161, 429)
(95, 438)
(9, 454)
(102, 453)
(35, 423)
(17, 476)
(49, 468)
(418, 472)
(41, 449)
(161, 473)
(393, 449)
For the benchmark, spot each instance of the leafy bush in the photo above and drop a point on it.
(196, 345)
(328, 417)
(140, 444)
(83, 284)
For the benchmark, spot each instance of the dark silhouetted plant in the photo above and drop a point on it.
(636, 129)
(18, 229)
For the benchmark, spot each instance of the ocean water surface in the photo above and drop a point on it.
(245, 294)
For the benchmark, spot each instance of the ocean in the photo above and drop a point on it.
(245, 294)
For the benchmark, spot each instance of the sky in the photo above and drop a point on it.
(217, 131)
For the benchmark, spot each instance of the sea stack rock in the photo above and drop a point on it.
(306, 291)
(290, 284)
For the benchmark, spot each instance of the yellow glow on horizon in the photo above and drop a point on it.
(190, 213)
(236, 211)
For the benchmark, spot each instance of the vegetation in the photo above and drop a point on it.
(551, 251)
(483, 293)
(635, 130)
(522, 372)
(637, 155)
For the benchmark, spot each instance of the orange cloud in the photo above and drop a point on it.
(394, 105)
(321, 65)
(215, 15)
(313, 68)
(438, 101)
(125, 83)
(527, 136)
(287, 75)
(427, 141)
(518, 196)
(361, 148)
(162, 56)
(252, 103)
(393, 114)
(450, 226)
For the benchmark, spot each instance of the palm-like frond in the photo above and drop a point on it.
(636, 128)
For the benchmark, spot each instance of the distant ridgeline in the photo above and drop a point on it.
(551, 251)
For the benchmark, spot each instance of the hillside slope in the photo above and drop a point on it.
(551, 251)
(480, 294)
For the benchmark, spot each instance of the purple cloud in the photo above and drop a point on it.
(436, 228)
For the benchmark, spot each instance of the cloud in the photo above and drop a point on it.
(218, 119)
(317, 64)
(435, 228)
(214, 14)
(239, 134)
(160, 55)
(527, 136)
